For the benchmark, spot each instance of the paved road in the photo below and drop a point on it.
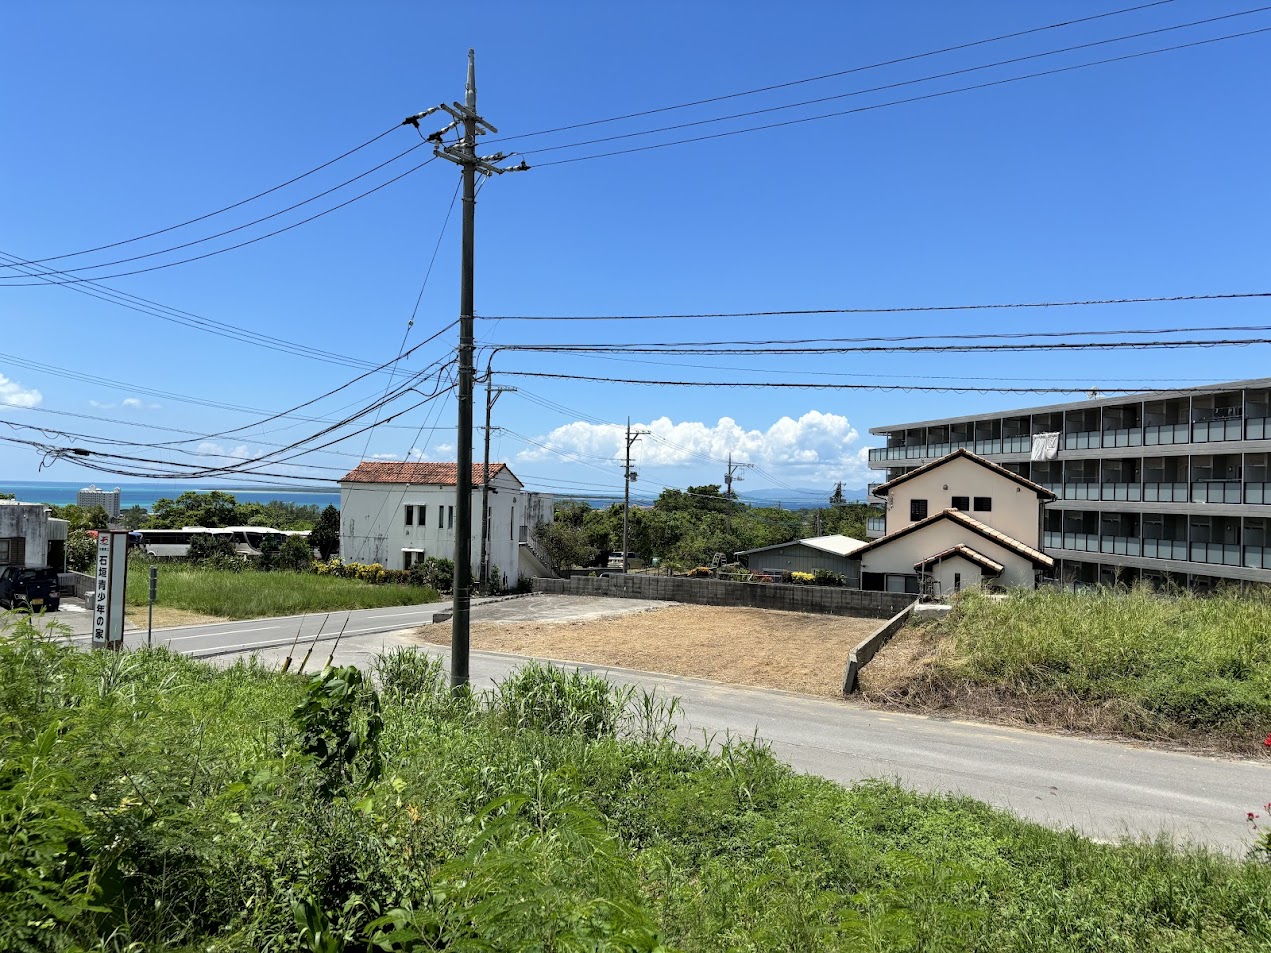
(1103, 789)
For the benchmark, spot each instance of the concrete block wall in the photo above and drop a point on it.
(826, 600)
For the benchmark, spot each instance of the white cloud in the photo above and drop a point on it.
(209, 448)
(386, 456)
(100, 405)
(816, 446)
(13, 394)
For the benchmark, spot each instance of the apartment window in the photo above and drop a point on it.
(917, 510)
(984, 504)
(410, 515)
(423, 516)
(961, 502)
(450, 522)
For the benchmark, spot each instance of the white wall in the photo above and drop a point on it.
(30, 522)
(1016, 509)
(943, 572)
(899, 557)
(373, 522)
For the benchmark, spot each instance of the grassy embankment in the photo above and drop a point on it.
(1176, 667)
(252, 595)
(149, 801)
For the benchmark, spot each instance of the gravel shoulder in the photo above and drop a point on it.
(791, 651)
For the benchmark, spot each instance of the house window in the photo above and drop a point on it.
(962, 503)
(441, 516)
(423, 516)
(450, 522)
(13, 550)
(917, 510)
(410, 515)
(984, 504)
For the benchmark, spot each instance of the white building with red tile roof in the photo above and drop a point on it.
(957, 522)
(398, 514)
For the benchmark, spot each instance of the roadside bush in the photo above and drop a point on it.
(406, 674)
(802, 578)
(81, 550)
(826, 577)
(205, 546)
(546, 698)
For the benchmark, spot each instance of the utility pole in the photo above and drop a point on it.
(464, 154)
(628, 477)
(729, 477)
(491, 397)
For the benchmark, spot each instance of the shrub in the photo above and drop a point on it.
(205, 546)
(545, 698)
(825, 577)
(802, 578)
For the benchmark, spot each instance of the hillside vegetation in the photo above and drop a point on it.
(151, 802)
(1134, 662)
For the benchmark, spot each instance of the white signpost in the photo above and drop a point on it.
(111, 580)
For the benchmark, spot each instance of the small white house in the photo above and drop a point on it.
(398, 514)
(30, 537)
(955, 523)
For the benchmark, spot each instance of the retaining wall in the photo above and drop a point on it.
(827, 600)
(872, 645)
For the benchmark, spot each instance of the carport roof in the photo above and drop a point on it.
(836, 544)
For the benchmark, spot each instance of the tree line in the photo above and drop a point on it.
(687, 527)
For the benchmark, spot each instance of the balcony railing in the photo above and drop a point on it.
(1166, 492)
(1083, 440)
(1123, 437)
(1052, 539)
(1082, 542)
(1223, 554)
(1258, 557)
(1207, 431)
(1216, 491)
(1257, 428)
(1165, 548)
(1120, 545)
(1162, 434)
(1081, 491)
(1258, 492)
(1122, 491)
(875, 526)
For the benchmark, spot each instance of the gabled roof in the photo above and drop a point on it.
(883, 489)
(980, 529)
(422, 474)
(837, 544)
(966, 552)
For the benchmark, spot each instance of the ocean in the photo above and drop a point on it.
(145, 494)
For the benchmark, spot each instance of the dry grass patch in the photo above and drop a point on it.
(792, 651)
(165, 617)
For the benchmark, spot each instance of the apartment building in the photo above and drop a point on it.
(92, 495)
(1168, 485)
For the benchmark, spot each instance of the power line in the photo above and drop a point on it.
(901, 102)
(219, 211)
(236, 228)
(946, 388)
(4, 283)
(915, 309)
(889, 86)
(833, 75)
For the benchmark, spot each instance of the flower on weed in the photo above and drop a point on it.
(1253, 816)
(1267, 741)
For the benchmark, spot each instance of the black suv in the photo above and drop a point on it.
(24, 588)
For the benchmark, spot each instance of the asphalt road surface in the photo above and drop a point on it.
(1105, 790)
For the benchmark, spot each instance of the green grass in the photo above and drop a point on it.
(252, 595)
(146, 799)
(1147, 663)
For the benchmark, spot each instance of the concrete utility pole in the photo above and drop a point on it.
(729, 478)
(491, 397)
(628, 477)
(464, 154)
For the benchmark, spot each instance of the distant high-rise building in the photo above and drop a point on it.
(108, 500)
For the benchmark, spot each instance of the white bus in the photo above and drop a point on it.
(176, 542)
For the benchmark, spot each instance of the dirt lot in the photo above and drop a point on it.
(165, 617)
(787, 650)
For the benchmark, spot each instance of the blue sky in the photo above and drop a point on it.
(1139, 178)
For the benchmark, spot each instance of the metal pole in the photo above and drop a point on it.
(626, 497)
(459, 632)
(485, 491)
(154, 591)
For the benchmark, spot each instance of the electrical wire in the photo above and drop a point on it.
(901, 102)
(5, 283)
(895, 348)
(618, 137)
(834, 75)
(219, 211)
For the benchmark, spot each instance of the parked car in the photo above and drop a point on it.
(633, 561)
(24, 587)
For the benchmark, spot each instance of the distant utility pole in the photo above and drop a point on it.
(464, 154)
(628, 477)
(492, 395)
(729, 478)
